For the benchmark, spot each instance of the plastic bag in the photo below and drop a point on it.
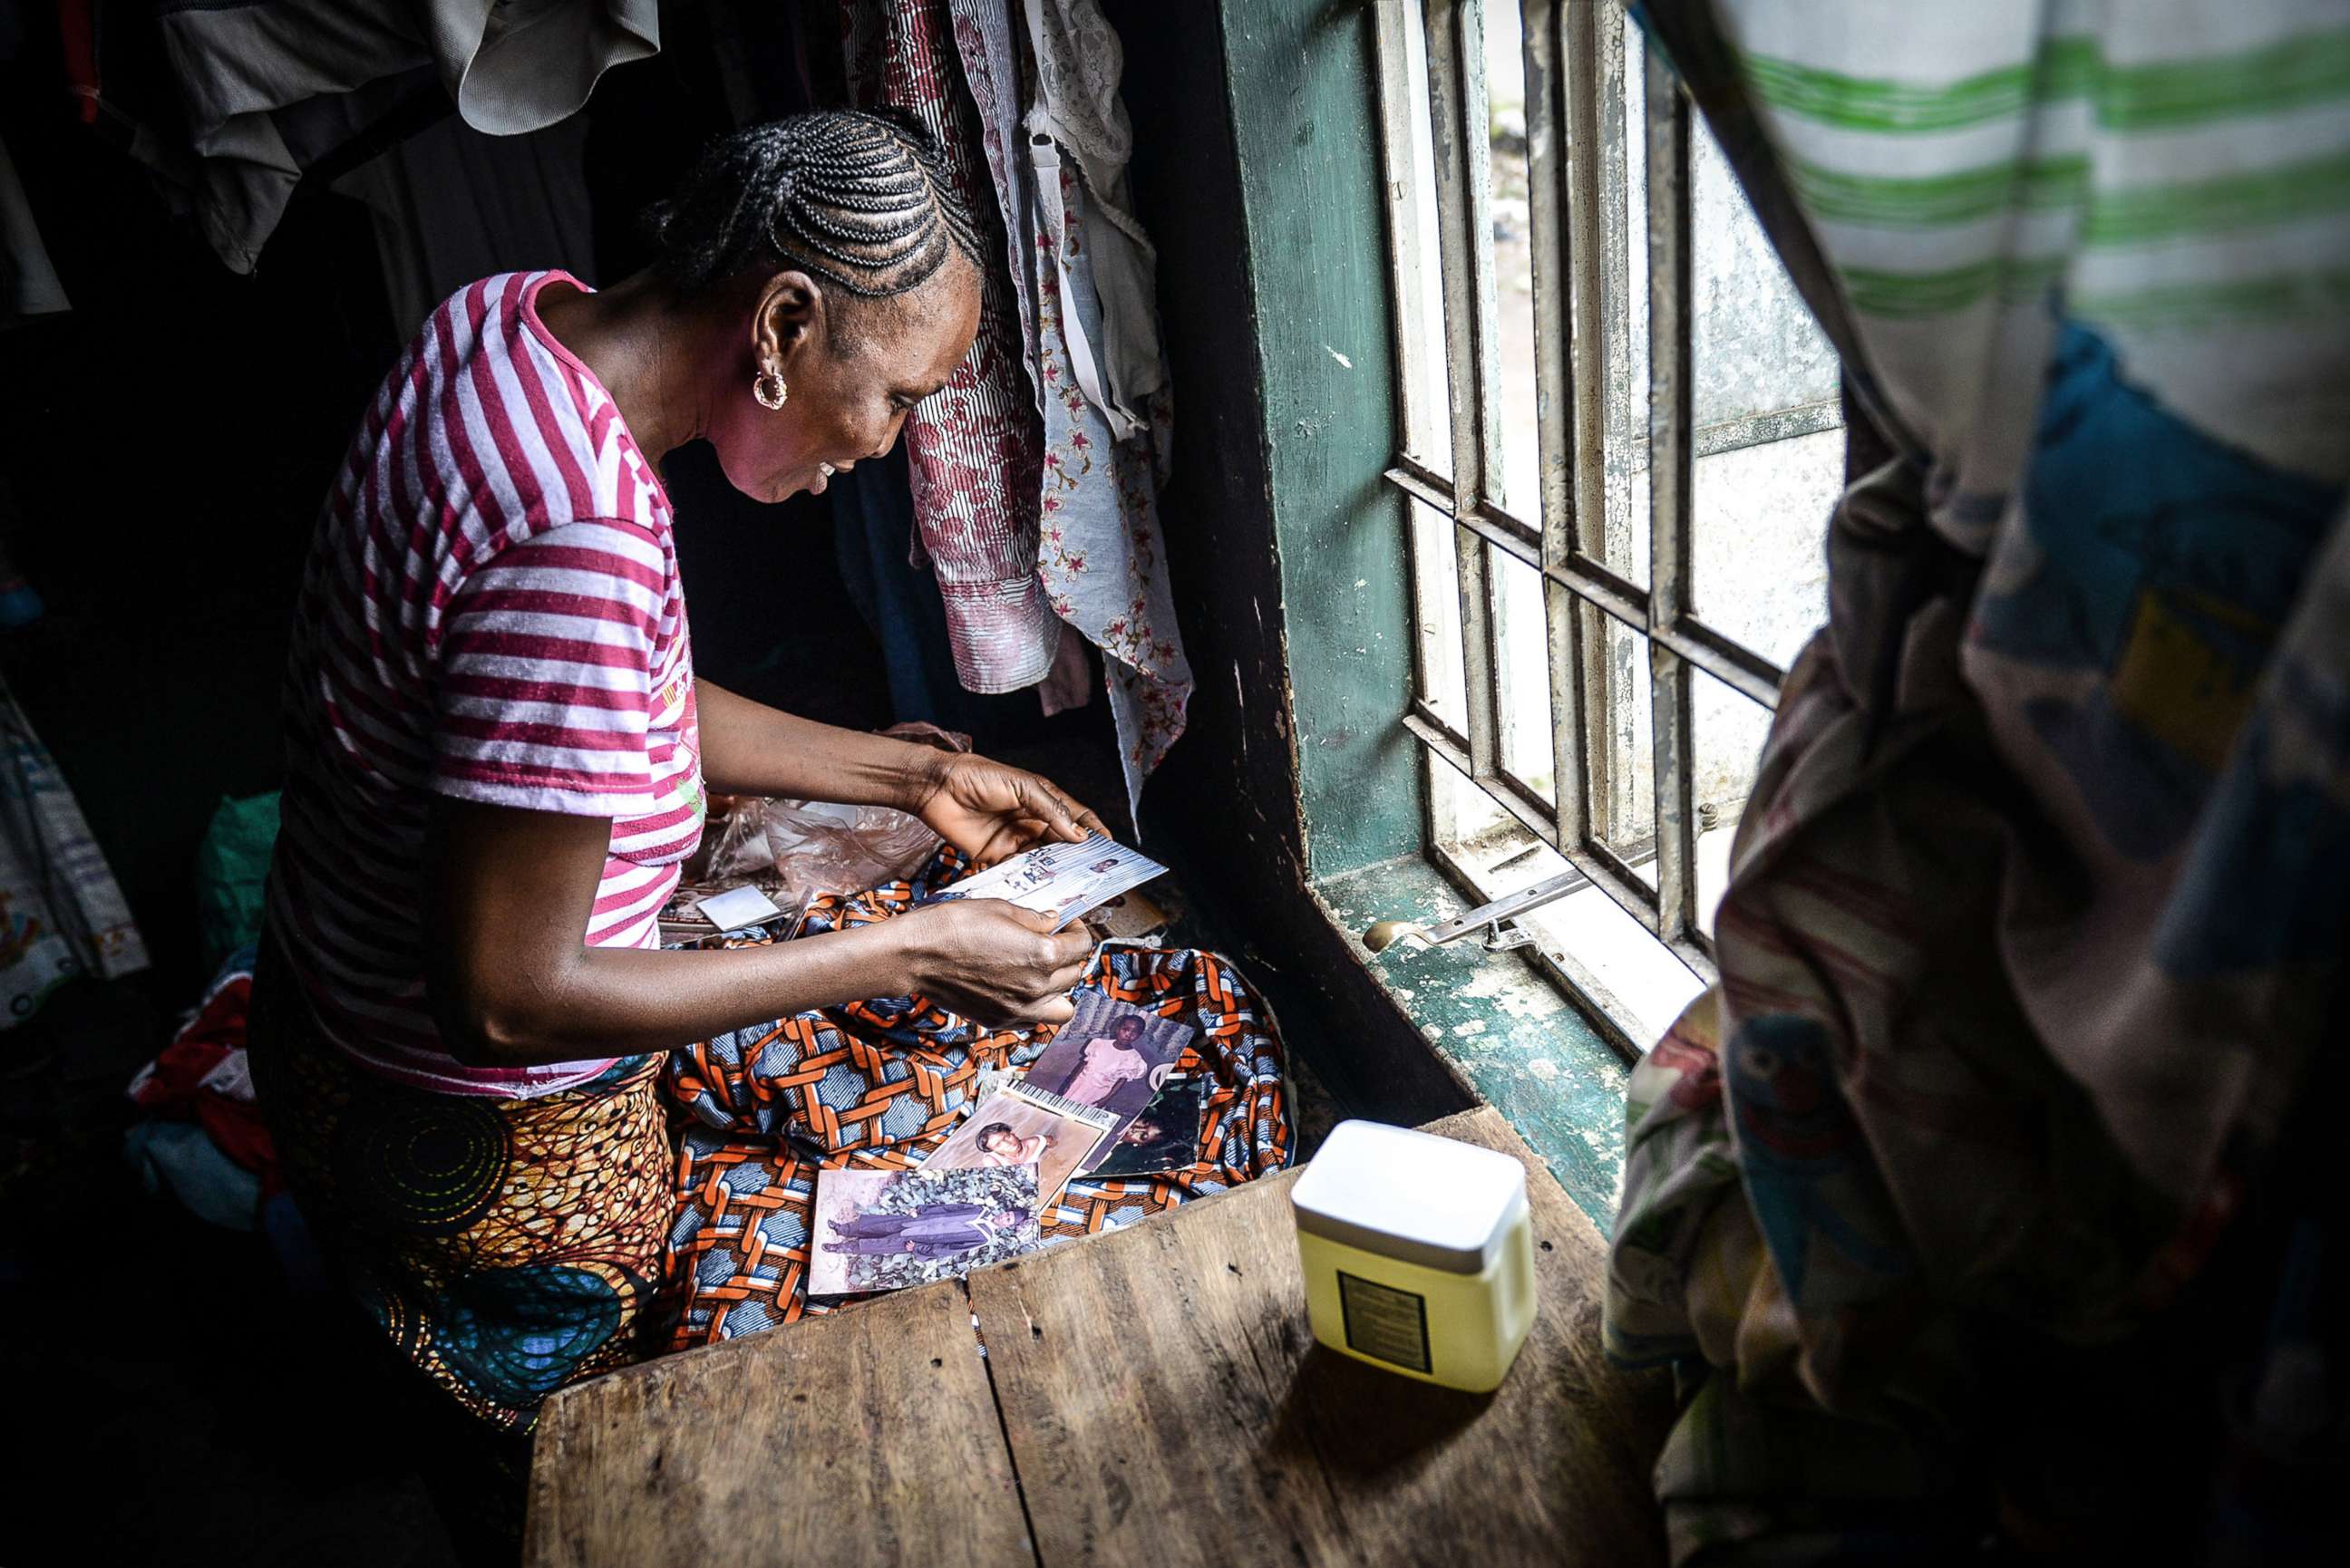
(794, 850)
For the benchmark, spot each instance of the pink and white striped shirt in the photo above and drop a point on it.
(492, 611)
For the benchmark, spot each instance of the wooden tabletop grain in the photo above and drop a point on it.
(1150, 1396)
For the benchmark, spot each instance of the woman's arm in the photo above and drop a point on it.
(749, 748)
(512, 983)
(984, 808)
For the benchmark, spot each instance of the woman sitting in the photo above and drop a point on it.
(498, 753)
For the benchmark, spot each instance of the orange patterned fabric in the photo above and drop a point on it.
(880, 1083)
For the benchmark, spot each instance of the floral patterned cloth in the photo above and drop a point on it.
(1102, 554)
(1088, 544)
(975, 450)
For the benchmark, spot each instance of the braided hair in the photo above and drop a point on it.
(862, 201)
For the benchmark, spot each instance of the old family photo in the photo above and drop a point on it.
(1098, 1096)
(1070, 878)
(1110, 1058)
(1008, 1128)
(889, 1230)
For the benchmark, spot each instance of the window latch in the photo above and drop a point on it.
(1497, 920)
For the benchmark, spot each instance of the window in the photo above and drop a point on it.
(1619, 439)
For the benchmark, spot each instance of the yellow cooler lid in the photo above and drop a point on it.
(1426, 1199)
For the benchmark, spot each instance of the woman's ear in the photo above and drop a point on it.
(789, 314)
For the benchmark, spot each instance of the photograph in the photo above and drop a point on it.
(1070, 878)
(888, 1229)
(1164, 1137)
(1112, 1056)
(1007, 1130)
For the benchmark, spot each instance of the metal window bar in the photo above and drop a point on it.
(1671, 429)
(1458, 127)
(1573, 172)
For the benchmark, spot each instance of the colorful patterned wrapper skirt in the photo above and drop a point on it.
(506, 1247)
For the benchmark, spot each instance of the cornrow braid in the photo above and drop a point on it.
(862, 201)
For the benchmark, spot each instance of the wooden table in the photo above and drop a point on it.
(1151, 1396)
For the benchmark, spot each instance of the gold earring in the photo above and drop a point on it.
(770, 389)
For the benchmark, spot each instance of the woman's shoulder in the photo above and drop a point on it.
(526, 427)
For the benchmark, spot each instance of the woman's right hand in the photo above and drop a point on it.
(993, 961)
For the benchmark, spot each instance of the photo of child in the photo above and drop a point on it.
(1111, 1056)
(1006, 1131)
(888, 1229)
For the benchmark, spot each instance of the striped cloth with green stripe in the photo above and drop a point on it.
(2176, 176)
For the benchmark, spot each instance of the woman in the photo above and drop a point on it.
(499, 752)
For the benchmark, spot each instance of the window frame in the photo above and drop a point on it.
(1572, 102)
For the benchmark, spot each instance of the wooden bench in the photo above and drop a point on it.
(1150, 1396)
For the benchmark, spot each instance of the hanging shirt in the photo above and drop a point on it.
(492, 611)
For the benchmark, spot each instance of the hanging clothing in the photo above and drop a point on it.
(1082, 274)
(242, 66)
(61, 913)
(872, 518)
(452, 205)
(1077, 123)
(2037, 909)
(976, 448)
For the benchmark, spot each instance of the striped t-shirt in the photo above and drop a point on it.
(492, 611)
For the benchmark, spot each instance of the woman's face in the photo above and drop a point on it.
(1002, 1143)
(853, 367)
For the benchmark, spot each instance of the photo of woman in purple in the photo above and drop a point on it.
(931, 1230)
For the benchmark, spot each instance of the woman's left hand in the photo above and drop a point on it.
(989, 811)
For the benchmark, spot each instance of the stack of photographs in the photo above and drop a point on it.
(1102, 1100)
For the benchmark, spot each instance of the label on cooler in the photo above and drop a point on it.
(1385, 1323)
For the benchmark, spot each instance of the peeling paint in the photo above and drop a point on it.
(1517, 1041)
(1341, 360)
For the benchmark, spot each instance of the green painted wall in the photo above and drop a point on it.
(1306, 139)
